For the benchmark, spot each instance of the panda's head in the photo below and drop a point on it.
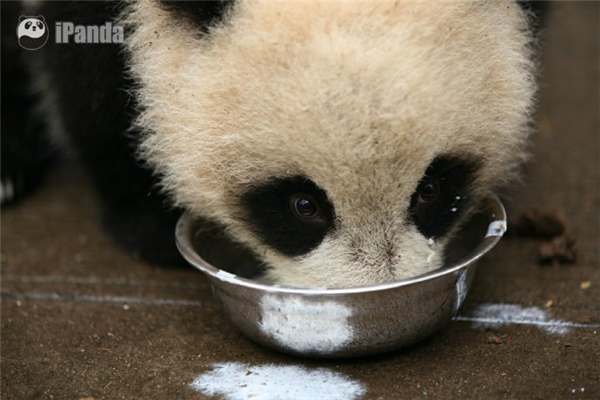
(343, 141)
(32, 32)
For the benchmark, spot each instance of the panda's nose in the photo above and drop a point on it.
(34, 28)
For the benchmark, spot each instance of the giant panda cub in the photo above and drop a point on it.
(343, 142)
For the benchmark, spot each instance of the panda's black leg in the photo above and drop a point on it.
(91, 94)
(145, 228)
(538, 10)
(25, 150)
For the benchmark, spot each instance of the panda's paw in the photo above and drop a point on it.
(7, 191)
(16, 184)
(11, 189)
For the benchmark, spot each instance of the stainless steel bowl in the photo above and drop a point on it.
(340, 323)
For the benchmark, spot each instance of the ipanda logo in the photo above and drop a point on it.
(106, 33)
(33, 32)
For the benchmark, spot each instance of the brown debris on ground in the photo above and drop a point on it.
(541, 224)
(497, 339)
(493, 339)
(549, 224)
(559, 250)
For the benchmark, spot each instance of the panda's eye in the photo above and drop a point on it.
(39, 24)
(28, 25)
(304, 206)
(428, 191)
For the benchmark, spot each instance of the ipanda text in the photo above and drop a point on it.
(107, 33)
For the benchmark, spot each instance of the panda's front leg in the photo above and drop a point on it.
(84, 94)
(26, 151)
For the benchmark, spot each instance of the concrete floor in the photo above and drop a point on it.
(82, 320)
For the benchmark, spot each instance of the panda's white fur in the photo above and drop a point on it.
(358, 96)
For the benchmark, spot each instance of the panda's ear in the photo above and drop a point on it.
(41, 18)
(21, 18)
(201, 13)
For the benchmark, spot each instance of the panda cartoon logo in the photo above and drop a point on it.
(32, 32)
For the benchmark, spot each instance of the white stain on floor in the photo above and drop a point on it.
(306, 326)
(237, 381)
(505, 314)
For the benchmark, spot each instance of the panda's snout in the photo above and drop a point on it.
(386, 254)
(33, 28)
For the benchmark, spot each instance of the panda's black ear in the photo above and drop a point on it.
(41, 18)
(201, 13)
(21, 18)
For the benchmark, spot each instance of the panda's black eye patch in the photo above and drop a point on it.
(292, 215)
(28, 25)
(441, 194)
(201, 13)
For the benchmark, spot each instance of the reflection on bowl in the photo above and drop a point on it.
(339, 323)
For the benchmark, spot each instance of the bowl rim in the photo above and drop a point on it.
(496, 229)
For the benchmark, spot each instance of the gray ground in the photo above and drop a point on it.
(81, 319)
